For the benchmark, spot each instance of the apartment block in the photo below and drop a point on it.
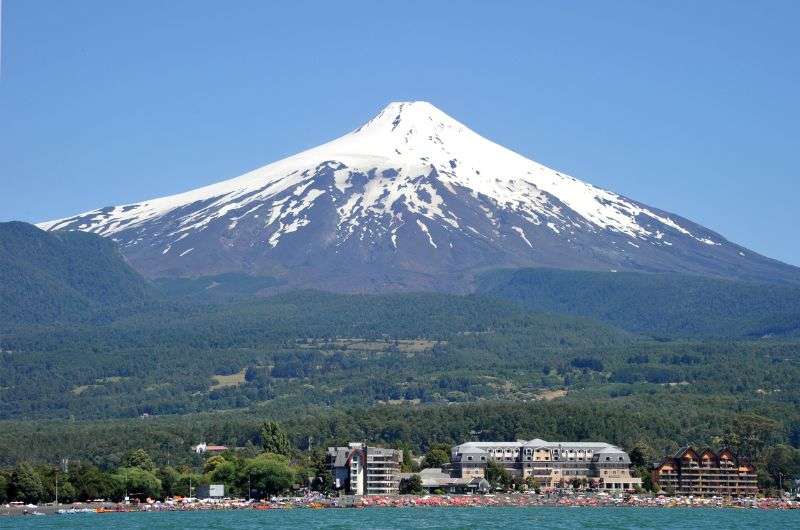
(359, 469)
(706, 474)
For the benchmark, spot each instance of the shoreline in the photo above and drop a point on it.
(407, 501)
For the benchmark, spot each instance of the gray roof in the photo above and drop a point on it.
(491, 444)
(381, 451)
(434, 477)
(581, 445)
(472, 447)
(432, 472)
(468, 449)
(536, 442)
(339, 455)
(612, 454)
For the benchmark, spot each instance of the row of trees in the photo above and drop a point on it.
(659, 425)
(275, 468)
(261, 476)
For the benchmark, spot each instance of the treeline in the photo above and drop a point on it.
(660, 423)
(273, 461)
(272, 468)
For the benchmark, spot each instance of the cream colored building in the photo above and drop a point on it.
(550, 464)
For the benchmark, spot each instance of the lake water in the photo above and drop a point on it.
(458, 518)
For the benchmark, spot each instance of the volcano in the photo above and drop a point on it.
(411, 200)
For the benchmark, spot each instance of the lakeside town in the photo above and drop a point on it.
(524, 473)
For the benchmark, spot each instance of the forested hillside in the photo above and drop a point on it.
(659, 305)
(308, 347)
(95, 361)
(63, 276)
(297, 350)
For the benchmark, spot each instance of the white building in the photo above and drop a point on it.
(363, 470)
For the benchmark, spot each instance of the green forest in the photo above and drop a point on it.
(97, 362)
(272, 468)
(659, 305)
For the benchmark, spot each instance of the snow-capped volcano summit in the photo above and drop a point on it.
(412, 199)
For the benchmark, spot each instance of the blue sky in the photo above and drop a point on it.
(691, 107)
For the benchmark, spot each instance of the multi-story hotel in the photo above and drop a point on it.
(706, 474)
(549, 463)
(363, 470)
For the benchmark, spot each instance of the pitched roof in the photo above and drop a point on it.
(536, 442)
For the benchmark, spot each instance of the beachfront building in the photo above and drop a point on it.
(550, 464)
(359, 469)
(706, 474)
(382, 471)
(436, 479)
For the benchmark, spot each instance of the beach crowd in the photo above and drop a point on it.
(316, 501)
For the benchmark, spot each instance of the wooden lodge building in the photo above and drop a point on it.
(706, 474)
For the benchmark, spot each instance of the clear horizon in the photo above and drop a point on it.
(688, 108)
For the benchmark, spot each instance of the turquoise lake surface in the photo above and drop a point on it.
(458, 518)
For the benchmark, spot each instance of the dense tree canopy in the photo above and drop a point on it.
(138, 458)
(437, 457)
(269, 474)
(26, 484)
(138, 482)
(412, 485)
(274, 439)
